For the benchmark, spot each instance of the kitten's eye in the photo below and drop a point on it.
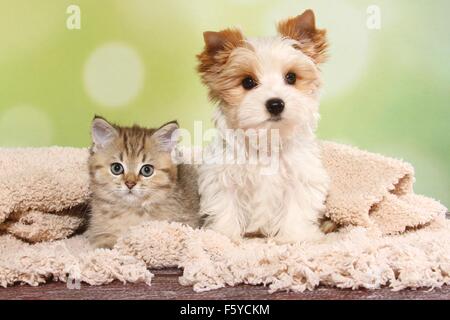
(249, 83)
(291, 78)
(147, 170)
(116, 168)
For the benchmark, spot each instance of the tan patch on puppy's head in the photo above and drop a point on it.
(214, 57)
(302, 28)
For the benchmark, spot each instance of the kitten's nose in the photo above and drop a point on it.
(275, 106)
(130, 184)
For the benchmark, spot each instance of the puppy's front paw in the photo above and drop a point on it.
(225, 223)
(301, 235)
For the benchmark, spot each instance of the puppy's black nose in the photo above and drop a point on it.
(275, 106)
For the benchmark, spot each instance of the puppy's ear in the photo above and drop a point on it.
(103, 133)
(312, 41)
(167, 136)
(224, 40)
(218, 46)
(217, 50)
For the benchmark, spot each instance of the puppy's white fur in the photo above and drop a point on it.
(238, 199)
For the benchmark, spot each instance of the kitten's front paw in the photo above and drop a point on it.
(105, 242)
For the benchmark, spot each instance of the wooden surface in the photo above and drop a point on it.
(165, 286)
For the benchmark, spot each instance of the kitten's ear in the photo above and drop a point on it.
(312, 41)
(102, 133)
(167, 136)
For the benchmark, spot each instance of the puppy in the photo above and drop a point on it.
(270, 85)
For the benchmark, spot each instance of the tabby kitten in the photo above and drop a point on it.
(133, 179)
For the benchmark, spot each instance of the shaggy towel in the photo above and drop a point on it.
(390, 236)
(43, 192)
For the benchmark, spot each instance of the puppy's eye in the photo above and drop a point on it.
(147, 170)
(291, 78)
(116, 168)
(249, 83)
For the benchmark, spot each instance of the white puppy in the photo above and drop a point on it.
(269, 85)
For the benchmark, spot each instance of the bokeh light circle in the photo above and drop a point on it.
(113, 75)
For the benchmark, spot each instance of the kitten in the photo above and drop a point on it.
(133, 179)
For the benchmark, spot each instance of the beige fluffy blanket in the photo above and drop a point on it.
(390, 236)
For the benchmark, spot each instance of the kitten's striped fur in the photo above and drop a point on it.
(169, 194)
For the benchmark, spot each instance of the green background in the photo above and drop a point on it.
(132, 61)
